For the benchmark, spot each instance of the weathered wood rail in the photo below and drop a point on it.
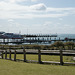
(15, 51)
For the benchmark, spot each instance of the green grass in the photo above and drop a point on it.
(8, 67)
(44, 57)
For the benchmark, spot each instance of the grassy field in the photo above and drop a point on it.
(8, 67)
(44, 57)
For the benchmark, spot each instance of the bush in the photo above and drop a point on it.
(57, 44)
(70, 45)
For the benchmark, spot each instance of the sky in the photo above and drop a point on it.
(37, 16)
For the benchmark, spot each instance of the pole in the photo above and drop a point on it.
(5, 54)
(39, 56)
(10, 54)
(61, 57)
(2, 55)
(15, 55)
(24, 51)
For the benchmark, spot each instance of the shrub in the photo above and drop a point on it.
(70, 45)
(57, 44)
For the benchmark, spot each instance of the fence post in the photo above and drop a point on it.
(39, 56)
(61, 57)
(2, 55)
(15, 55)
(6, 54)
(2, 52)
(24, 51)
(10, 54)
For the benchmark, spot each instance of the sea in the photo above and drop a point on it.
(62, 36)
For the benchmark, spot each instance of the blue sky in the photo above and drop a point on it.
(37, 16)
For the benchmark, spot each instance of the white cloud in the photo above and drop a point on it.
(10, 20)
(34, 0)
(49, 9)
(40, 6)
(14, 1)
(13, 10)
(57, 27)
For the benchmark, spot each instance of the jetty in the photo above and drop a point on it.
(7, 38)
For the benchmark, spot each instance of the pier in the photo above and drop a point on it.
(30, 38)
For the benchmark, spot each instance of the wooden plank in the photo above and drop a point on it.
(50, 62)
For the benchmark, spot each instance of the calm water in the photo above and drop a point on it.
(62, 36)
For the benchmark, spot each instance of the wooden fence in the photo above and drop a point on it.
(39, 52)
